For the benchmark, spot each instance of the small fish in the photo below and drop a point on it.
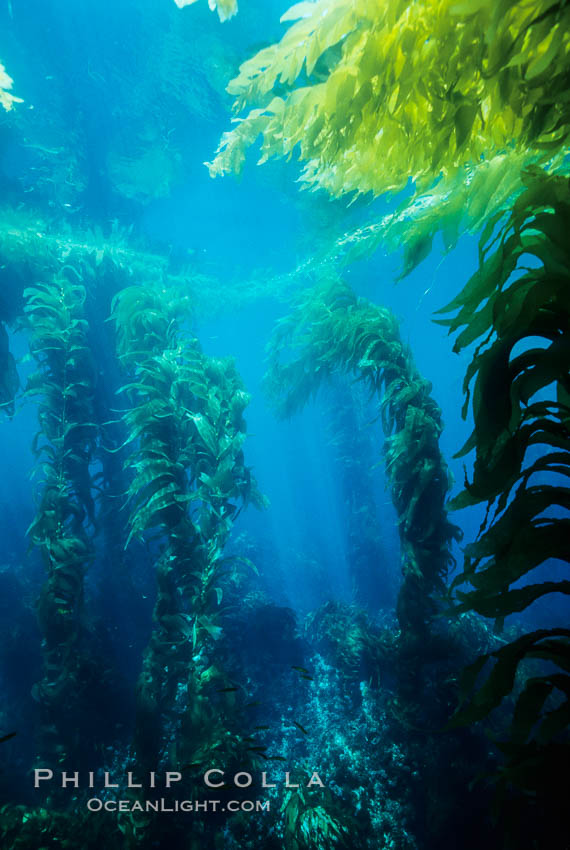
(302, 728)
(308, 678)
(7, 737)
(275, 758)
(300, 669)
(262, 727)
(260, 751)
(226, 690)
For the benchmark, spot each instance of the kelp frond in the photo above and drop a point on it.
(185, 427)
(465, 203)
(64, 387)
(226, 9)
(516, 307)
(334, 331)
(372, 94)
(7, 99)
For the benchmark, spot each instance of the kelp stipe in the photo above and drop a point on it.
(62, 528)
(9, 380)
(186, 428)
(520, 402)
(351, 437)
(11, 288)
(334, 331)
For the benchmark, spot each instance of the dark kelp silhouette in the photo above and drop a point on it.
(521, 409)
(63, 525)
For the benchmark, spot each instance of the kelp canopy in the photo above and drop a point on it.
(7, 99)
(470, 102)
(225, 8)
(375, 92)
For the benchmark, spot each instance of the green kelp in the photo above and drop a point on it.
(460, 204)
(358, 649)
(330, 331)
(63, 525)
(308, 825)
(467, 101)
(35, 245)
(452, 99)
(186, 428)
(516, 307)
(374, 92)
(22, 828)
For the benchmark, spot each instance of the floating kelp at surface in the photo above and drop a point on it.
(520, 400)
(145, 174)
(458, 187)
(146, 158)
(467, 197)
(225, 8)
(374, 93)
(7, 99)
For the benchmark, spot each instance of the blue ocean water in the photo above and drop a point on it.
(123, 103)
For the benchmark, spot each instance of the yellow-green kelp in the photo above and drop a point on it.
(375, 92)
(7, 99)
(226, 9)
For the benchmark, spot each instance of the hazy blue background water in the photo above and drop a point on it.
(90, 77)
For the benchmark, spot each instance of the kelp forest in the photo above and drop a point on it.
(285, 458)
